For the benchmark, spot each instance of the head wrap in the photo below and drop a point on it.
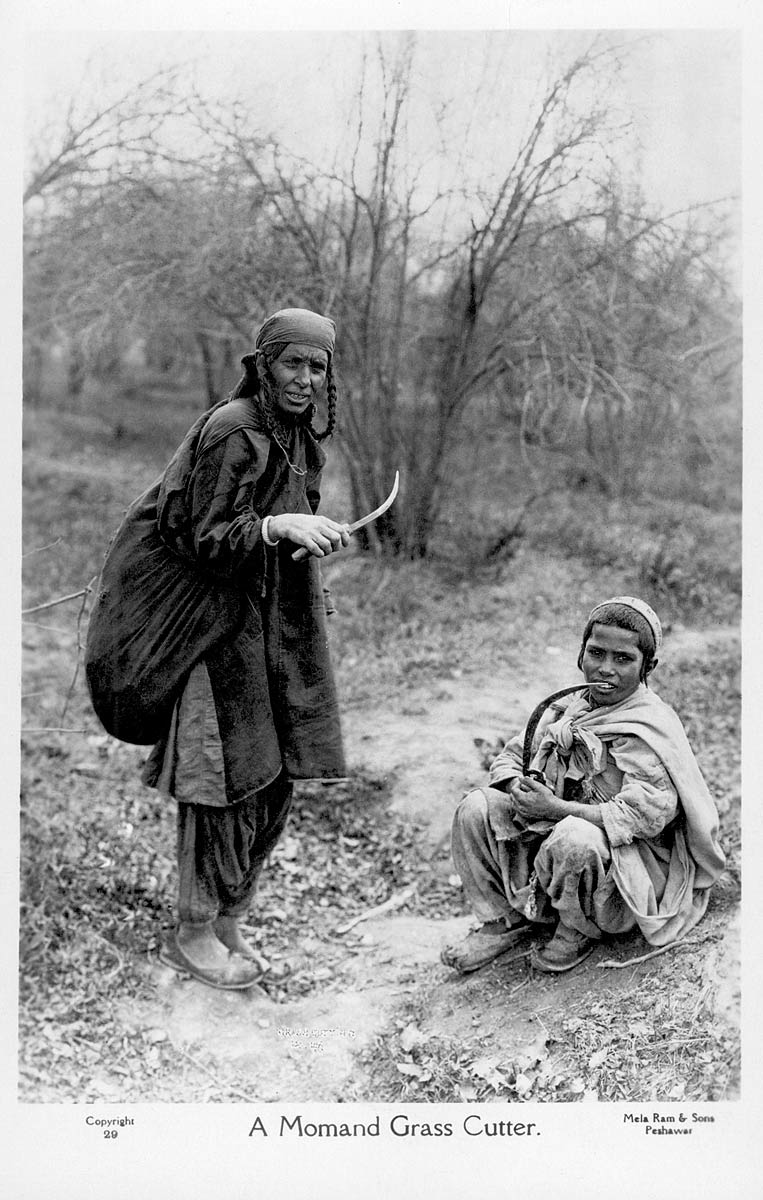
(639, 606)
(298, 325)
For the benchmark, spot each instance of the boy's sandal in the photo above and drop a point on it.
(567, 949)
(482, 945)
(236, 975)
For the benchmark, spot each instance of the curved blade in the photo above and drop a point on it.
(302, 553)
(372, 516)
(532, 724)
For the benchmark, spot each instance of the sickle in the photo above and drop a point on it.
(372, 516)
(532, 725)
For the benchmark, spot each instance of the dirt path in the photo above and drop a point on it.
(307, 1049)
(426, 749)
(425, 746)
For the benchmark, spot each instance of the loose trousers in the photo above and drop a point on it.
(221, 851)
(560, 874)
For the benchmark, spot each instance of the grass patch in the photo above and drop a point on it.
(97, 891)
(684, 557)
(657, 1038)
(97, 849)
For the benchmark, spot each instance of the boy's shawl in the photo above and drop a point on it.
(666, 886)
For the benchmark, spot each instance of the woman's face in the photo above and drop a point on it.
(612, 663)
(299, 373)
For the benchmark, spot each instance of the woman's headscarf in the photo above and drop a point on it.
(299, 325)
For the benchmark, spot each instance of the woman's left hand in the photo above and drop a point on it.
(533, 800)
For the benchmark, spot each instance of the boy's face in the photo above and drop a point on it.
(612, 663)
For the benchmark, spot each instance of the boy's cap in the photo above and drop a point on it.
(642, 608)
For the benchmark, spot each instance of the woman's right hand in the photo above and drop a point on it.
(317, 534)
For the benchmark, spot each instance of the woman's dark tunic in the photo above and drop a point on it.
(271, 680)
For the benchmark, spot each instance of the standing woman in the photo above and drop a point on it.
(259, 709)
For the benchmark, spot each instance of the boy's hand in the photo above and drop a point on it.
(533, 800)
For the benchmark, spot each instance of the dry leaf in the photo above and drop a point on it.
(86, 768)
(412, 1036)
(572, 1024)
(487, 1069)
(639, 1029)
(482, 1067)
(535, 1053)
(413, 1070)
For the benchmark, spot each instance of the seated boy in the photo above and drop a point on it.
(622, 833)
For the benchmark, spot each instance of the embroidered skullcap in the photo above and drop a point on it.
(639, 606)
(298, 325)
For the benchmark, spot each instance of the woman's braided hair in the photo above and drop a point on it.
(261, 390)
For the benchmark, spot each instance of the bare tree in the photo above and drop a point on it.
(416, 296)
(86, 152)
(620, 343)
(162, 260)
(92, 143)
(425, 322)
(531, 289)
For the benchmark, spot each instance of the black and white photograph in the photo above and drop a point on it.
(378, 713)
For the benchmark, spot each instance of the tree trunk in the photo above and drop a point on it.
(75, 375)
(208, 366)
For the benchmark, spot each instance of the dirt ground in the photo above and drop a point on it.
(321, 1047)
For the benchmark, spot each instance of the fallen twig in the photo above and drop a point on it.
(630, 962)
(507, 958)
(221, 1087)
(395, 900)
(47, 628)
(50, 729)
(61, 600)
(517, 988)
(39, 549)
(80, 647)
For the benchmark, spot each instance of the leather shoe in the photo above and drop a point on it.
(482, 945)
(566, 950)
(236, 975)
